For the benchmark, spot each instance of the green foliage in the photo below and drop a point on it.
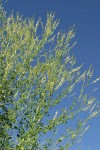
(37, 72)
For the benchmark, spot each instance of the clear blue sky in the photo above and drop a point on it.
(85, 14)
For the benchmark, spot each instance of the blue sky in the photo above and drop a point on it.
(85, 14)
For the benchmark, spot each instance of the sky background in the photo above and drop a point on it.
(85, 14)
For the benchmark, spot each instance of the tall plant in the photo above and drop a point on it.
(37, 72)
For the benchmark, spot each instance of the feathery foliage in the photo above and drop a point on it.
(37, 71)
